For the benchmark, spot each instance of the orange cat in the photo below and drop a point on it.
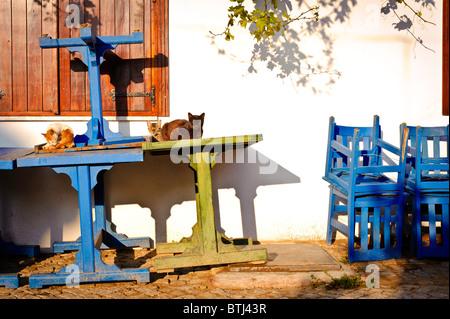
(58, 136)
(183, 129)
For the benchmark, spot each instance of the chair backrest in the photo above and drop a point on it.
(373, 177)
(338, 135)
(355, 153)
(428, 157)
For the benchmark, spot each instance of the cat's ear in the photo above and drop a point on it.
(190, 117)
(44, 134)
(202, 116)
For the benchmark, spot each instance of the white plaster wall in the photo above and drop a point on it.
(384, 72)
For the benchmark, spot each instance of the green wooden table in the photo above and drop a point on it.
(206, 246)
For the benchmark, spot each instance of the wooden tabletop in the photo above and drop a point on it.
(93, 157)
(229, 141)
(9, 155)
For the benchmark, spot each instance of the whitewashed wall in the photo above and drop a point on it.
(383, 72)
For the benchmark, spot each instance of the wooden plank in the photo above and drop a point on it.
(164, 53)
(147, 53)
(445, 58)
(64, 60)
(244, 140)
(8, 157)
(387, 227)
(125, 155)
(50, 97)
(376, 228)
(91, 17)
(137, 57)
(78, 69)
(34, 55)
(154, 48)
(107, 27)
(19, 56)
(432, 224)
(5, 61)
(121, 78)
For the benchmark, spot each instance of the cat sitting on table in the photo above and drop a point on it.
(155, 130)
(178, 129)
(58, 136)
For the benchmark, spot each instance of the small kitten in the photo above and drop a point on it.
(58, 136)
(155, 130)
(183, 129)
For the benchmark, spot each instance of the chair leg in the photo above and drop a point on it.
(418, 227)
(351, 229)
(331, 232)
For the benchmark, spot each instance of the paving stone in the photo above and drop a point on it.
(406, 278)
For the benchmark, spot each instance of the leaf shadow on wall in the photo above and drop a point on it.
(288, 54)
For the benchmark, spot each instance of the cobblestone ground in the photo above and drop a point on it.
(406, 278)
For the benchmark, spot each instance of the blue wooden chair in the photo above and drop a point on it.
(427, 180)
(361, 188)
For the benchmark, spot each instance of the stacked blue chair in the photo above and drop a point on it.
(359, 171)
(427, 180)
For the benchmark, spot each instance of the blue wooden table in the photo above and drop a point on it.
(8, 157)
(85, 170)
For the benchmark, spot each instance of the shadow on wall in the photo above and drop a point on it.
(39, 206)
(159, 184)
(36, 204)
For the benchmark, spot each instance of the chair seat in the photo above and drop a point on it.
(380, 183)
(429, 184)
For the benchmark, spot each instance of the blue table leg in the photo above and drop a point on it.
(111, 239)
(9, 281)
(88, 266)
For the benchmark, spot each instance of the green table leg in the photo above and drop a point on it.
(206, 246)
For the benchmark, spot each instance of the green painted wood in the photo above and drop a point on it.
(242, 140)
(206, 246)
(210, 259)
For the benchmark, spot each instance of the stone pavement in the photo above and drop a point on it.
(406, 278)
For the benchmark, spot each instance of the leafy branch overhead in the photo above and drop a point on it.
(282, 44)
(265, 21)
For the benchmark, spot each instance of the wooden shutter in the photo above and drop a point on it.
(38, 82)
(445, 62)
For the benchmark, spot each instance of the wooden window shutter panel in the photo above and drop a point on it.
(6, 59)
(159, 26)
(445, 58)
(38, 82)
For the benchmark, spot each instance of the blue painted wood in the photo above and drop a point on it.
(428, 183)
(93, 157)
(9, 280)
(85, 169)
(9, 155)
(88, 265)
(92, 49)
(357, 162)
(110, 238)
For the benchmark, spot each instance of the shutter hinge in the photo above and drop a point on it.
(152, 95)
